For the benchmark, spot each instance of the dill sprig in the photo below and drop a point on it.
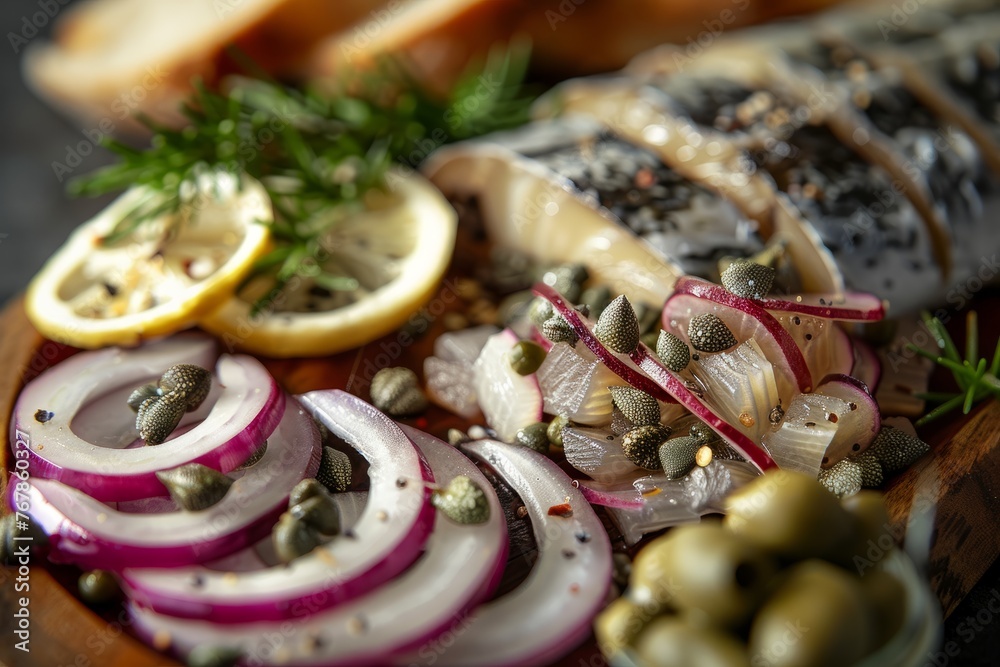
(314, 152)
(976, 376)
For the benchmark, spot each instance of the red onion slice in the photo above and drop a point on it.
(90, 534)
(654, 502)
(461, 566)
(247, 410)
(850, 307)
(867, 368)
(825, 347)
(550, 613)
(584, 329)
(746, 319)
(675, 386)
(388, 537)
(857, 428)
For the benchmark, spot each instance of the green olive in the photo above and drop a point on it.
(525, 357)
(871, 536)
(713, 574)
(789, 514)
(618, 625)
(818, 616)
(886, 595)
(98, 587)
(670, 641)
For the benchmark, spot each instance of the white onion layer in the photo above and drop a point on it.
(388, 537)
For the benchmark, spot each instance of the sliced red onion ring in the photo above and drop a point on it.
(676, 387)
(858, 427)
(576, 385)
(584, 329)
(867, 368)
(461, 566)
(247, 410)
(508, 400)
(654, 502)
(746, 319)
(350, 505)
(90, 534)
(825, 347)
(551, 612)
(388, 537)
(598, 454)
(850, 307)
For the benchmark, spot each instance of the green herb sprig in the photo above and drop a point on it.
(976, 377)
(313, 151)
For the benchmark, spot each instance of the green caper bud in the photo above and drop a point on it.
(98, 587)
(205, 655)
(671, 641)
(789, 514)
(555, 430)
(319, 512)
(463, 501)
(540, 311)
(596, 298)
(396, 392)
(293, 538)
(535, 436)
(526, 357)
(567, 279)
(307, 488)
(195, 487)
(791, 629)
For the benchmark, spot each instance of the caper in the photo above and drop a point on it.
(292, 538)
(789, 514)
(540, 311)
(307, 488)
(818, 616)
(396, 392)
(534, 436)
(194, 486)
(98, 587)
(671, 641)
(319, 512)
(206, 655)
(597, 299)
(526, 357)
(555, 430)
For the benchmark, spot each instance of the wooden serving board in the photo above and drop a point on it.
(960, 478)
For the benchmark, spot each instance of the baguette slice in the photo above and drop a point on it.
(112, 59)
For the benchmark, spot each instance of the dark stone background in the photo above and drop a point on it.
(36, 216)
(35, 213)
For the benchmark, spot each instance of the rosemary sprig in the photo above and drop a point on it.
(314, 152)
(976, 377)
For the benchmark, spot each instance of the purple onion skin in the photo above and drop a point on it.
(112, 486)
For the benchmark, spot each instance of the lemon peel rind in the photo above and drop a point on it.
(55, 319)
(290, 335)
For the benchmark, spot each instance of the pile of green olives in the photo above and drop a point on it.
(785, 579)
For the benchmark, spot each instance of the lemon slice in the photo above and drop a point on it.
(168, 273)
(397, 250)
